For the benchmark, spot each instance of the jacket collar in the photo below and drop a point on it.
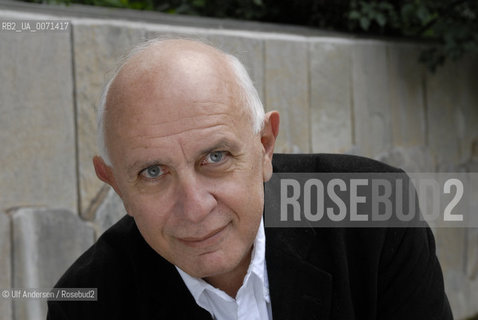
(298, 289)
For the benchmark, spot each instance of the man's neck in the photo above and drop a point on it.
(231, 281)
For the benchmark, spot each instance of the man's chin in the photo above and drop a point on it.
(209, 265)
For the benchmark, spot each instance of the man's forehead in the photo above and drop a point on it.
(171, 57)
(169, 70)
(141, 128)
(177, 93)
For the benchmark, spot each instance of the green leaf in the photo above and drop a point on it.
(354, 15)
(199, 3)
(381, 20)
(364, 23)
(366, 7)
(386, 6)
(407, 12)
(423, 14)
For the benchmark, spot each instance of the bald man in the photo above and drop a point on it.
(184, 141)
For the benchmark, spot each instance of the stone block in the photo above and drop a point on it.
(450, 244)
(457, 290)
(463, 295)
(287, 91)
(330, 95)
(407, 95)
(457, 251)
(472, 252)
(37, 135)
(444, 114)
(451, 248)
(371, 98)
(45, 243)
(472, 309)
(472, 243)
(249, 51)
(109, 212)
(98, 49)
(468, 77)
(5, 266)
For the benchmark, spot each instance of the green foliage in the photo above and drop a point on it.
(452, 24)
(238, 9)
(366, 13)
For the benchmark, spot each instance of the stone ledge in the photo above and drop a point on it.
(37, 121)
(45, 243)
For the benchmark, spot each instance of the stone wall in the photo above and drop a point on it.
(335, 94)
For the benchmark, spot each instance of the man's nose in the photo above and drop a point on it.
(195, 200)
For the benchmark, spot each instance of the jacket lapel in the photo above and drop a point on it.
(160, 291)
(298, 289)
(180, 303)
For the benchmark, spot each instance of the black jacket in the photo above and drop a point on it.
(322, 273)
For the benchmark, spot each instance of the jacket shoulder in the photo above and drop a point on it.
(95, 264)
(327, 162)
(109, 266)
(132, 280)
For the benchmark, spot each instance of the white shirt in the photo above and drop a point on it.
(252, 300)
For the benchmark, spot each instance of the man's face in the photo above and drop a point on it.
(186, 163)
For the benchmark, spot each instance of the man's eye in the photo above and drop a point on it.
(152, 172)
(215, 157)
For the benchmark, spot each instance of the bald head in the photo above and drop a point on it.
(167, 70)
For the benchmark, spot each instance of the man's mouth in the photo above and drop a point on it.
(206, 240)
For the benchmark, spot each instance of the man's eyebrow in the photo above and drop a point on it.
(220, 145)
(139, 164)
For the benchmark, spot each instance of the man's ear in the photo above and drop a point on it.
(104, 173)
(268, 139)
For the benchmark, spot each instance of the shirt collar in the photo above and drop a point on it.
(257, 267)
